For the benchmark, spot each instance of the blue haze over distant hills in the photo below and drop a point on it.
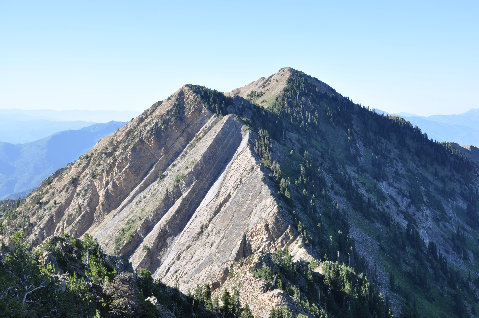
(460, 128)
(22, 126)
(24, 166)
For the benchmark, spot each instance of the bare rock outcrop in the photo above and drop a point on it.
(178, 190)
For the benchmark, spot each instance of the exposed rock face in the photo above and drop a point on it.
(189, 191)
(178, 190)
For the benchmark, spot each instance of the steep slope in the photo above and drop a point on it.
(277, 189)
(410, 204)
(178, 190)
(24, 166)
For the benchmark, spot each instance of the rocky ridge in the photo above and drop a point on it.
(203, 181)
(165, 191)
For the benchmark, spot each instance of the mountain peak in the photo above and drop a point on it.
(264, 91)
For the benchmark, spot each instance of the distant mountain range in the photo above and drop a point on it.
(24, 166)
(22, 126)
(20, 131)
(460, 128)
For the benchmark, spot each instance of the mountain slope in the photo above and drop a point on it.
(140, 193)
(397, 191)
(24, 166)
(273, 189)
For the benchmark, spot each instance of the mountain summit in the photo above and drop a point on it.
(282, 190)
(265, 90)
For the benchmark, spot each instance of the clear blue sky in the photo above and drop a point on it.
(400, 56)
